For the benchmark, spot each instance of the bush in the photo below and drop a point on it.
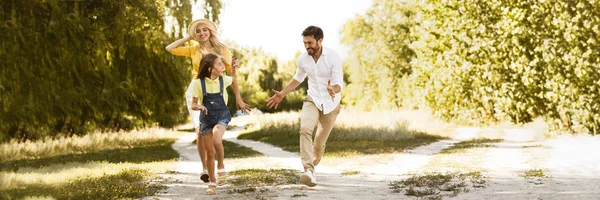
(480, 61)
(514, 60)
(75, 66)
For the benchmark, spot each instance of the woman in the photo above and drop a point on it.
(204, 33)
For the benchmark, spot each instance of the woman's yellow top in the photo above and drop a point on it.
(196, 53)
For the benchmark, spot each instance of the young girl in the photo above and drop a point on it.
(204, 33)
(210, 98)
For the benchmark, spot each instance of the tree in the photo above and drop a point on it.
(79, 66)
(380, 56)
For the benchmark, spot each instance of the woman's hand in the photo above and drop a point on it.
(235, 63)
(179, 42)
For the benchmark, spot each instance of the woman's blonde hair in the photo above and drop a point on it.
(214, 41)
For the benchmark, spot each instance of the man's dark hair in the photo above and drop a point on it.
(314, 31)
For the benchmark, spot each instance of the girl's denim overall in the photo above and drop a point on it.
(218, 113)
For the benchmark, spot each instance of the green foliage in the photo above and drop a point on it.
(212, 9)
(517, 60)
(480, 61)
(259, 73)
(181, 11)
(75, 66)
(380, 54)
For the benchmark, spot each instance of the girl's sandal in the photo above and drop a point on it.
(222, 178)
(212, 189)
(204, 176)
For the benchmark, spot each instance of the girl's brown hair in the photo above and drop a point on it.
(206, 64)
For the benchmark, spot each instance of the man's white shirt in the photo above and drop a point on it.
(328, 67)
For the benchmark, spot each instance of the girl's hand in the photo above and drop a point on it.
(200, 108)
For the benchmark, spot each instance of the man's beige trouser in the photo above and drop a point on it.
(311, 153)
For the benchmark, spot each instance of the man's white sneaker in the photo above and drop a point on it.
(308, 178)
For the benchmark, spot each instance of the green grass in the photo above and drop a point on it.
(299, 195)
(94, 166)
(468, 144)
(149, 151)
(434, 185)
(231, 127)
(261, 177)
(344, 141)
(128, 183)
(534, 173)
(242, 190)
(187, 130)
(535, 176)
(93, 142)
(233, 150)
(350, 173)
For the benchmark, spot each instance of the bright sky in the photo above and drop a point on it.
(277, 25)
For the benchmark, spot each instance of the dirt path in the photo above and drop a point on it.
(372, 181)
(571, 164)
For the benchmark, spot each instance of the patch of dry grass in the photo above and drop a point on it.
(346, 139)
(469, 144)
(102, 165)
(435, 185)
(93, 142)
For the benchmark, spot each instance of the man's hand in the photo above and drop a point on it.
(331, 90)
(275, 99)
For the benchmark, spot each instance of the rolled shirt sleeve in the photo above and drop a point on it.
(337, 75)
(300, 73)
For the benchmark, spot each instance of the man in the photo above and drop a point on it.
(323, 67)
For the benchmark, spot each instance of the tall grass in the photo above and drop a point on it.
(158, 149)
(127, 183)
(93, 142)
(95, 166)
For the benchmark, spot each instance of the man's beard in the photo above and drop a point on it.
(314, 51)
